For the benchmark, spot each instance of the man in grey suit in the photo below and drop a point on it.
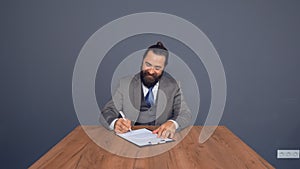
(151, 97)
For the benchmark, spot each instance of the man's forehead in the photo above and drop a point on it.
(151, 56)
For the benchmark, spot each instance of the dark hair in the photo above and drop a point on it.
(158, 49)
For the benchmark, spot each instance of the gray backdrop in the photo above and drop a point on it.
(258, 43)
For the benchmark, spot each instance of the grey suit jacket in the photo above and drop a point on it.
(169, 104)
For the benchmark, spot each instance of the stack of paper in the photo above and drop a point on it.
(143, 137)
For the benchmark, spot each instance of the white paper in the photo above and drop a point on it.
(143, 137)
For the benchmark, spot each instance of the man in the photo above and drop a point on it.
(151, 97)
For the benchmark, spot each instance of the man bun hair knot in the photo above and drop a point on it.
(159, 49)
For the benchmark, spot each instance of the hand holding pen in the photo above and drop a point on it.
(122, 125)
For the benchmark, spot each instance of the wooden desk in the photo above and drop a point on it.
(222, 150)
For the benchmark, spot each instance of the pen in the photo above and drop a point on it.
(123, 116)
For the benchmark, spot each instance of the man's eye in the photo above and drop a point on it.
(148, 64)
(157, 68)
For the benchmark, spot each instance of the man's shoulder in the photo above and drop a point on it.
(130, 78)
(168, 80)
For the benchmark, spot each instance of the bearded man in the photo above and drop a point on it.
(151, 97)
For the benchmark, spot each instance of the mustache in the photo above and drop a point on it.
(148, 74)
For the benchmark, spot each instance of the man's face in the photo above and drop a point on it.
(152, 68)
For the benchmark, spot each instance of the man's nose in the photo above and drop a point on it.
(151, 71)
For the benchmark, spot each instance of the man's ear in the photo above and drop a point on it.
(142, 64)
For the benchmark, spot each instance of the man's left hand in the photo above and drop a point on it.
(166, 130)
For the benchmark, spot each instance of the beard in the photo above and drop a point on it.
(148, 79)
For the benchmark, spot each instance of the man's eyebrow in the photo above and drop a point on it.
(156, 66)
(148, 63)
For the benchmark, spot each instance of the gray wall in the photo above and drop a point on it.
(258, 43)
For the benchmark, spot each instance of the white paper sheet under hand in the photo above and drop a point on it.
(143, 137)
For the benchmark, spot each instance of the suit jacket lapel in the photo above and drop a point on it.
(161, 101)
(136, 84)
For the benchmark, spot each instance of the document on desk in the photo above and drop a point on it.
(143, 137)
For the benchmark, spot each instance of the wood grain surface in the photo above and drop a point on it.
(222, 150)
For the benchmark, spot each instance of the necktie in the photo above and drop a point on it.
(149, 97)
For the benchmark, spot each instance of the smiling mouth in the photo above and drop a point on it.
(150, 76)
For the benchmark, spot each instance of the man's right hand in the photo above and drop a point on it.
(122, 125)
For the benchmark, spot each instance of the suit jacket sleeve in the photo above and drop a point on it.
(111, 110)
(181, 112)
